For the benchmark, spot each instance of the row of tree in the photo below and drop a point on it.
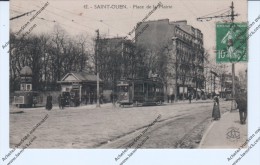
(49, 56)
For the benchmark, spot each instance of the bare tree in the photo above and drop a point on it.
(48, 57)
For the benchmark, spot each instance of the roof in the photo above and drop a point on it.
(79, 77)
(26, 71)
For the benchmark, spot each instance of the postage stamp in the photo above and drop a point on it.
(231, 42)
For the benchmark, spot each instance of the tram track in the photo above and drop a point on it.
(183, 142)
(190, 138)
(136, 131)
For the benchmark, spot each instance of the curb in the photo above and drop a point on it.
(16, 112)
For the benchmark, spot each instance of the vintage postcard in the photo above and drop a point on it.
(130, 76)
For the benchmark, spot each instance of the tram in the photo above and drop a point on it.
(140, 92)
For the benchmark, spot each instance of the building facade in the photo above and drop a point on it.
(182, 47)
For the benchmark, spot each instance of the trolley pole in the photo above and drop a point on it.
(97, 68)
(233, 107)
(232, 16)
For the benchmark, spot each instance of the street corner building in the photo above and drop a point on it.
(180, 54)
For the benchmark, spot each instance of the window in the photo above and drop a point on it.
(28, 87)
(22, 88)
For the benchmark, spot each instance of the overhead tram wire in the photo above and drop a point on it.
(99, 21)
(70, 20)
(54, 21)
(226, 9)
(102, 21)
(223, 15)
(208, 29)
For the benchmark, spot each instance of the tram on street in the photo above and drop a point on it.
(140, 92)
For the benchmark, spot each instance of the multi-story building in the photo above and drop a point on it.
(182, 45)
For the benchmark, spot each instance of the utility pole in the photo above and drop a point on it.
(233, 107)
(176, 69)
(232, 15)
(97, 68)
(211, 84)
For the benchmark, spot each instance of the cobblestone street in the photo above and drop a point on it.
(181, 125)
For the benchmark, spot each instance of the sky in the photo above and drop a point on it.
(83, 17)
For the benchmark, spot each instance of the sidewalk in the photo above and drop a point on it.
(187, 101)
(225, 133)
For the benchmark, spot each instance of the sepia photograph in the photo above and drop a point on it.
(129, 82)
(128, 74)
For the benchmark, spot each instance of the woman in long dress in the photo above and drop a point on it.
(216, 111)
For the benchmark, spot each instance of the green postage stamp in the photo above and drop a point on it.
(231, 42)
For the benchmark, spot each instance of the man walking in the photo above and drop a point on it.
(241, 100)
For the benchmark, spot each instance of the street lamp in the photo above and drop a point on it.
(97, 68)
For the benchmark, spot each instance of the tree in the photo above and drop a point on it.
(48, 57)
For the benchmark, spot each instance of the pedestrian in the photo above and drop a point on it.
(49, 102)
(86, 99)
(241, 100)
(61, 101)
(91, 97)
(172, 98)
(190, 97)
(34, 101)
(216, 111)
(101, 97)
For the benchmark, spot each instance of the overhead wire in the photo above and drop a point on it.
(70, 20)
(98, 21)
(54, 21)
(226, 9)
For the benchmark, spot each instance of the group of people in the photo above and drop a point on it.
(64, 99)
(241, 101)
(48, 105)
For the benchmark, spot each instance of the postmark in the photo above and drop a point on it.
(233, 134)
